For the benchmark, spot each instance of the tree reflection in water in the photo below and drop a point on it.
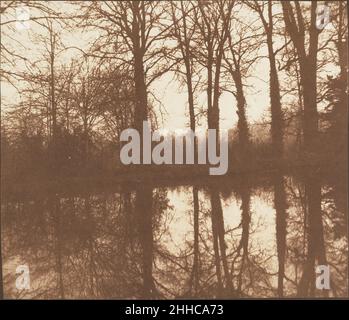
(221, 240)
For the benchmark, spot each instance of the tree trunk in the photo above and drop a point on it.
(307, 68)
(143, 207)
(196, 241)
(281, 228)
(141, 110)
(245, 195)
(218, 227)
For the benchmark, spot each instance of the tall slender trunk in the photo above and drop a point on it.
(141, 111)
(216, 249)
(316, 252)
(210, 121)
(185, 47)
(275, 98)
(85, 123)
(216, 93)
(196, 240)
(243, 130)
(281, 225)
(143, 207)
(277, 142)
(219, 242)
(57, 224)
(274, 85)
(245, 195)
(53, 159)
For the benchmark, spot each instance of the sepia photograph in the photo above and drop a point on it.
(174, 150)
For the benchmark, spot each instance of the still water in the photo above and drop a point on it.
(216, 240)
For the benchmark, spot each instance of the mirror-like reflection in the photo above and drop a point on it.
(253, 238)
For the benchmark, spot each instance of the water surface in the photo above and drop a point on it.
(220, 240)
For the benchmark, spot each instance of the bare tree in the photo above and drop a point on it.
(301, 34)
(213, 21)
(277, 132)
(132, 33)
(274, 85)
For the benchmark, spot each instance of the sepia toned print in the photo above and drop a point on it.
(174, 149)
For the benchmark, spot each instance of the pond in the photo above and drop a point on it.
(223, 239)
